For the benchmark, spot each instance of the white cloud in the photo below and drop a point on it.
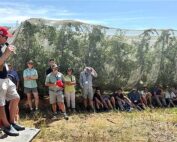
(13, 12)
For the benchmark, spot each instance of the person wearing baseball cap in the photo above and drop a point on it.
(6, 85)
(54, 81)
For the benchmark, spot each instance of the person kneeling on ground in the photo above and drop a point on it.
(54, 82)
(8, 90)
(169, 96)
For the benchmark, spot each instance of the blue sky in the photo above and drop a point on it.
(124, 14)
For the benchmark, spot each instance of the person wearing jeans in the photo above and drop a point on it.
(70, 82)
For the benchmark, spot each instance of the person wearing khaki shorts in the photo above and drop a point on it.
(56, 97)
(56, 91)
(7, 89)
(86, 84)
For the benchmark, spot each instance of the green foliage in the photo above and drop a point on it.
(116, 60)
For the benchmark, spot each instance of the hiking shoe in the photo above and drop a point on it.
(73, 110)
(65, 116)
(130, 109)
(11, 131)
(18, 127)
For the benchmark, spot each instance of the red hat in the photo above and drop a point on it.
(4, 32)
(59, 83)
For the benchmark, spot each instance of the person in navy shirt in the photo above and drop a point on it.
(8, 90)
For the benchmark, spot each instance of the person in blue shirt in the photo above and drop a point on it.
(136, 99)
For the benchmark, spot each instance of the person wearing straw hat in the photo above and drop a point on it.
(30, 76)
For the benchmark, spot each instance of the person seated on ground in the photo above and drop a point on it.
(8, 90)
(147, 97)
(118, 99)
(169, 96)
(106, 102)
(54, 82)
(98, 100)
(158, 95)
(174, 90)
(135, 97)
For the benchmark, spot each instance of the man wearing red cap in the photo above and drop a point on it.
(7, 89)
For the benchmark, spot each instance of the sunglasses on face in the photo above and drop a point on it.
(30, 64)
(4, 37)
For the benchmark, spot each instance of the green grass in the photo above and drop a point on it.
(157, 125)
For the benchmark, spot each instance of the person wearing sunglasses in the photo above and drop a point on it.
(8, 90)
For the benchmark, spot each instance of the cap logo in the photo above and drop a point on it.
(1, 32)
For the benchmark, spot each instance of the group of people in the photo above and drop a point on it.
(62, 87)
(136, 98)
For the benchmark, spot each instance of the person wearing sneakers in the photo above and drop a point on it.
(30, 76)
(8, 90)
(54, 81)
(86, 84)
(70, 82)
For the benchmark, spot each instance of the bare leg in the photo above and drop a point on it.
(105, 104)
(144, 100)
(13, 108)
(54, 107)
(91, 103)
(113, 102)
(29, 100)
(85, 103)
(3, 117)
(36, 99)
(61, 106)
(109, 104)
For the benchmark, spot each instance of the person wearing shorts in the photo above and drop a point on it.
(56, 92)
(30, 76)
(8, 90)
(86, 85)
